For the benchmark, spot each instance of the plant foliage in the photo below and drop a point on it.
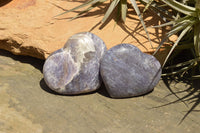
(120, 5)
(182, 15)
(185, 23)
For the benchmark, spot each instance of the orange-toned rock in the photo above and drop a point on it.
(28, 27)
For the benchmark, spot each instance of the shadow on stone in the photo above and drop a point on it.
(192, 95)
(44, 86)
(4, 2)
(102, 91)
(37, 63)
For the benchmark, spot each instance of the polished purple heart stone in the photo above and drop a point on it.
(74, 69)
(127, 72)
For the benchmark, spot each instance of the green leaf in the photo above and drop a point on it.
(197, 39)
(187, 10)
(82, 12)
(110, 10)
(175, 30)
(183, 63)
(134, 4)
(177, 41)
(181, 70)
(178, 21)
(197, 4)
(81, 6)
(148, 5)
(195, 77)
(88, 9)
(159, 10)
(124, 8)
(178, 27)
(160, 45)
(163, 25)
(180, 47)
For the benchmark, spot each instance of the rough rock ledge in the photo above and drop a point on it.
(28, 27)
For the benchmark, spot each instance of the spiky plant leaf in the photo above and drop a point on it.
(124, 8)
(179, 21)
(177, 41)
(163, 25)
(158, 8)
(88, 9)
(184, 24)
(112, 6)
(175, 30)
(181, 70)
(180, 47)
(183, 63)
(177, 27)
(82, 12)
(195, 77)
(134, 4)
(90, 2)
(148, 5)
(187, 10)
(197, 39)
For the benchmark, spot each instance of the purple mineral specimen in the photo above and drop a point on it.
(127, 72)
(74, 69)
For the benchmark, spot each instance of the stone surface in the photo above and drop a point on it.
(74, 69)
(127, 72)
(27, 105)
(27, 27)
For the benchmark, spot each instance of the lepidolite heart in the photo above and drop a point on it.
(74, 69)
(127, 72)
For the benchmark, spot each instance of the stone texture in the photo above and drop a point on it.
(74, 69)
(27, 105)
(27, 27)
(127, 72)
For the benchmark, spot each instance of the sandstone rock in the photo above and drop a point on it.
(127, 72)
(28, 27)
(74, 69)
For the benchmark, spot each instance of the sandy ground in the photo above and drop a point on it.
(28, 106)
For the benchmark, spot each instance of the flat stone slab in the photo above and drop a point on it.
(28, 106)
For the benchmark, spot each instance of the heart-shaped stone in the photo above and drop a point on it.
(74, 69)
(127, 72)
